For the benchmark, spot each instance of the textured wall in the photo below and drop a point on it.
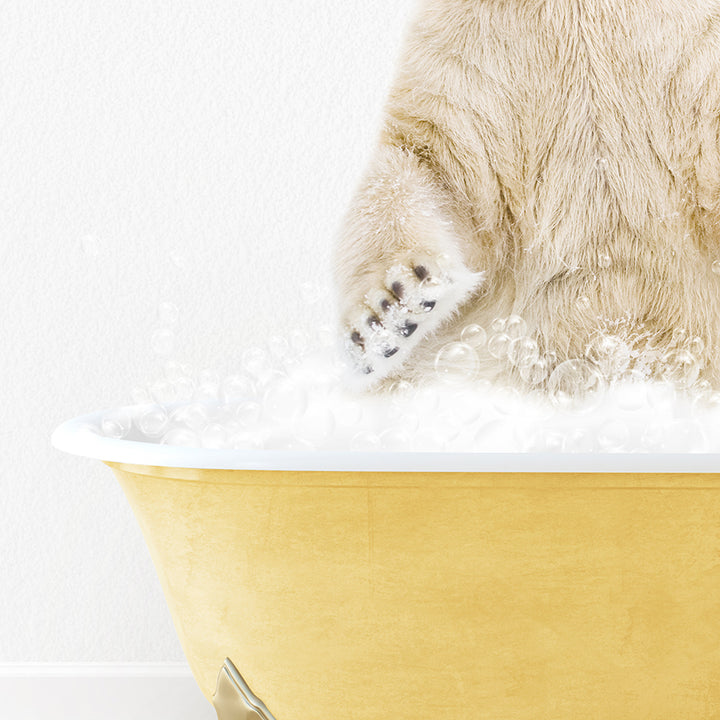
(197, 153)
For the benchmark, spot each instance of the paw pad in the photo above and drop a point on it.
(421, 272)
(408, 329)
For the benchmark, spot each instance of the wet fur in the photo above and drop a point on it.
(525, 143)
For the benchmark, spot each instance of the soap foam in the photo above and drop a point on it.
(304, 404)
(296, 392)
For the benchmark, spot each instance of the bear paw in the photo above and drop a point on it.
(402, 306)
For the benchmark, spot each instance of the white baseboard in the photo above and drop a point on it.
(106, 691)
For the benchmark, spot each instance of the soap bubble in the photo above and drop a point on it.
(181, 437)
(609, 353)
(681, 368)
(546, 441)
(296, 444)
(209, 376)
(613, 435)
(163, 391)
(316, 425)
(401, 410)
(498, 435)
(426, 399)
(236, 388)
(653, 437)
(279, 347)
(505, 400)
(515, 327)
(708, 401)
(213, 435)
(474, 335)
(168, 313)
(90, 427)
(579, 440)
(194, 416)
(498, 345)
(364, 441)
(184, 389)
(661, 395)
(696, 346)
(679, 337)
(604, 260)
(285, 399)
(400, 387)
(685, 436)
(426, 442)
(456, 363)
(396, 438)
(230, 424)
(248, 413)
(175, 370)
(267, 377)
(350, 413)
(246, 441)
(299, 342)
(534, 371)
(116, 423)
(523, 351)
(631, 394)
(163, 342)
(207, 392)
(464, 407)
(498, 325)
(678, 436)
(140, 395)
(715, 267)
(255, 360)
(575, 385)
(153, 421)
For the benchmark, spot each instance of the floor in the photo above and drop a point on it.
(130, 698)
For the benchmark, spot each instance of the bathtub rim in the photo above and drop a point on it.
(77, 437)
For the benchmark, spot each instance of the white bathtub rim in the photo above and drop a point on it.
(77, 437)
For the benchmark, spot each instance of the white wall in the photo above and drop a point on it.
(200, 153)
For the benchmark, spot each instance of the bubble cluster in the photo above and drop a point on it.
(612, 354)
(289, 394)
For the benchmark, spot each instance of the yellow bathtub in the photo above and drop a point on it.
(425, 586)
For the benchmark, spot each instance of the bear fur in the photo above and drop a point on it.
(553, 159)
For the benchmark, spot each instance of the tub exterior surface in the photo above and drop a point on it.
(414, 596)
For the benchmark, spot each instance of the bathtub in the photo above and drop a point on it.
(419, 586)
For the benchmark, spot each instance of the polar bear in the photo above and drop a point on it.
(556, 160)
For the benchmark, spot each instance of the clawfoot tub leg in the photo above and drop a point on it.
(233, 699)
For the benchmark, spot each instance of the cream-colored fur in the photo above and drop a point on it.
(557, 159)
